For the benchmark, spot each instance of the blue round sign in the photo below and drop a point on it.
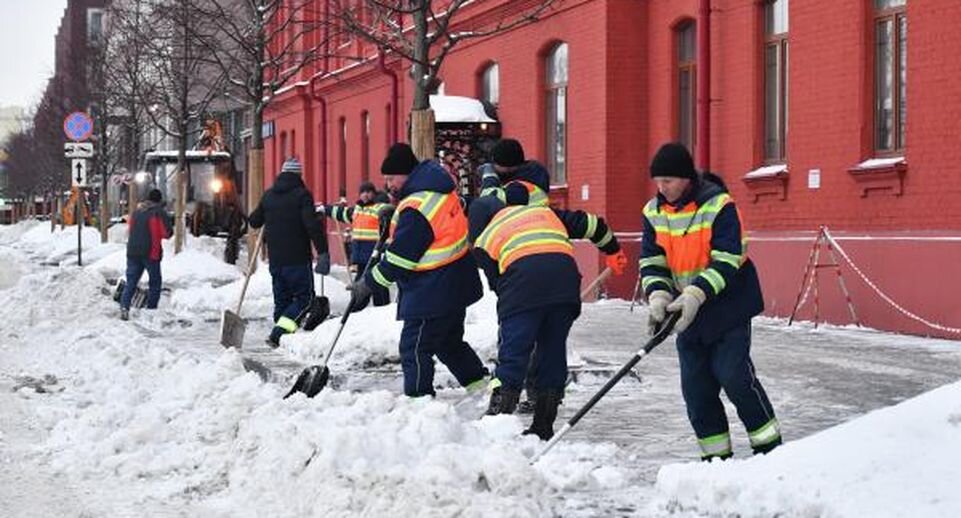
(78, 126)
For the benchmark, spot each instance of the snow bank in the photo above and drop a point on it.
(903, 460)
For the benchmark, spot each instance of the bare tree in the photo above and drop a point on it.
(183, 81)
(261, 47)
(434, 29)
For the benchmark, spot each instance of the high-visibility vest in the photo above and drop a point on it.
(448, 223)
(535, 195)
(685, 236)
(522, 231)
(365, 225)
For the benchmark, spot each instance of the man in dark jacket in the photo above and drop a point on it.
(287, 213)
(693, 260)
(436, 276)
(149, 225)
(364, 225)
(526, 253)
(513, 179)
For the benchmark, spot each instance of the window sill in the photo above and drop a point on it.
(880, 174)
(769, 180)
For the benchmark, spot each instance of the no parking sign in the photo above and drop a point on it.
(78, 126)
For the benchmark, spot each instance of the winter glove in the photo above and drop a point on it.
(487, 171)
(617, 262)
(359, 292)
(688, 302)
(657, 303)
(320, 208)
(323, 264)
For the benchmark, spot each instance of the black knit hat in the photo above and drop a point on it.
(674, 160)
(508, 153)
(155, 195)
(367, 187)
(400, 159)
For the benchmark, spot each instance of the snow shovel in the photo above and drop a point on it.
(659, 336)
(313, 379)
(232, 326)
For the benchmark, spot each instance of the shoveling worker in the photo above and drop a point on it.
(694, 260)
(149, 225)
(287, 212)
(512, 179)
(526, 253)
(436, 276)
(362, 218)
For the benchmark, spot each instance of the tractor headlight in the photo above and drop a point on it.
(216, 185)
(141, 177)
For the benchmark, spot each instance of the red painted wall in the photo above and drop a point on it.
(621, 107)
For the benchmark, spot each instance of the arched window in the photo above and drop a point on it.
(490, 81)
(283, 147)
(890, 74)
(686, 70)
(775, 80)
(556, 113)
(365, 146)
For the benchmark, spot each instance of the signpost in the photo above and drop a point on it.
(78, 127)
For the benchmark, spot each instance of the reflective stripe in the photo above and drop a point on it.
(715, 279)
(606, 239)
(654, 260)
(497, 192)
(495, 382)
(650, 280)
(366, 223)
(476, 385)
(446, 217)
(726, 257)
(287, 324)
(519, 231)
(444, 254)
(399, 261)
(715, 445)
(591, 226)
(766, 434)
(379, 277)
(546, 238)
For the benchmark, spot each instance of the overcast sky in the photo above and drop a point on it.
(27, 30)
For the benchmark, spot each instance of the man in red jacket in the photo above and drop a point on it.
(148, 227)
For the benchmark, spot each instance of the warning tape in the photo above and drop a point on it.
(889, 300)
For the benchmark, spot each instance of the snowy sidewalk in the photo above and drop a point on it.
(153, 417)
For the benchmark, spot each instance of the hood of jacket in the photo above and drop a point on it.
(534, 172)
(287, 182)
(429, 175)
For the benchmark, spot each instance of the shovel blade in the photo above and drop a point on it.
(232, 329)
(310, 381)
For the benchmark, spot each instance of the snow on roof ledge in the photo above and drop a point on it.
(878, 163)
(453, 108)
(190, 153)
(767, 171)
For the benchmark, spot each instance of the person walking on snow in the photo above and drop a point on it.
(694, 260)
(363, 221)
(528, 258)
(149, 225)
(436, 277)
(286, 211)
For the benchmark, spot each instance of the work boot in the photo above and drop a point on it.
(766, 448)
(273, 339)
(503, 401)
(124, 314)
(545, 413)
(527, 406)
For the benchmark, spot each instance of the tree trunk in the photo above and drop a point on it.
(422, 133)
(181, 207)
(104, 212)
(255, 190)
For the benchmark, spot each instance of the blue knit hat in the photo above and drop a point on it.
(291, 166)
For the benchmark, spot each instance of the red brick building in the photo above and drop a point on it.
(843, 113)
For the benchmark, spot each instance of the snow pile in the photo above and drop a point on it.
(898, 461)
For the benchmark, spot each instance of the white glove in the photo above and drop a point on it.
(657, 303)
(688, 302)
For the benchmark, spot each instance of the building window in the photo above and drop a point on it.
(365, 146)
(556, 111)
(283, 146)
(342, 162)
(389, 129)
(686, 84)
(95, 25)
(890, 74)
(491, 84)
(293, 143)
(775, 80)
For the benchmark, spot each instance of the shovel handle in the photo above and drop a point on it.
(597, 281)
(250, 269)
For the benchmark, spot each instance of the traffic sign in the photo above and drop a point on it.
(78, 126)
(78, 172)
(78, 149)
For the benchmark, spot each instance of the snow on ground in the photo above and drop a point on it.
(153, 417)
